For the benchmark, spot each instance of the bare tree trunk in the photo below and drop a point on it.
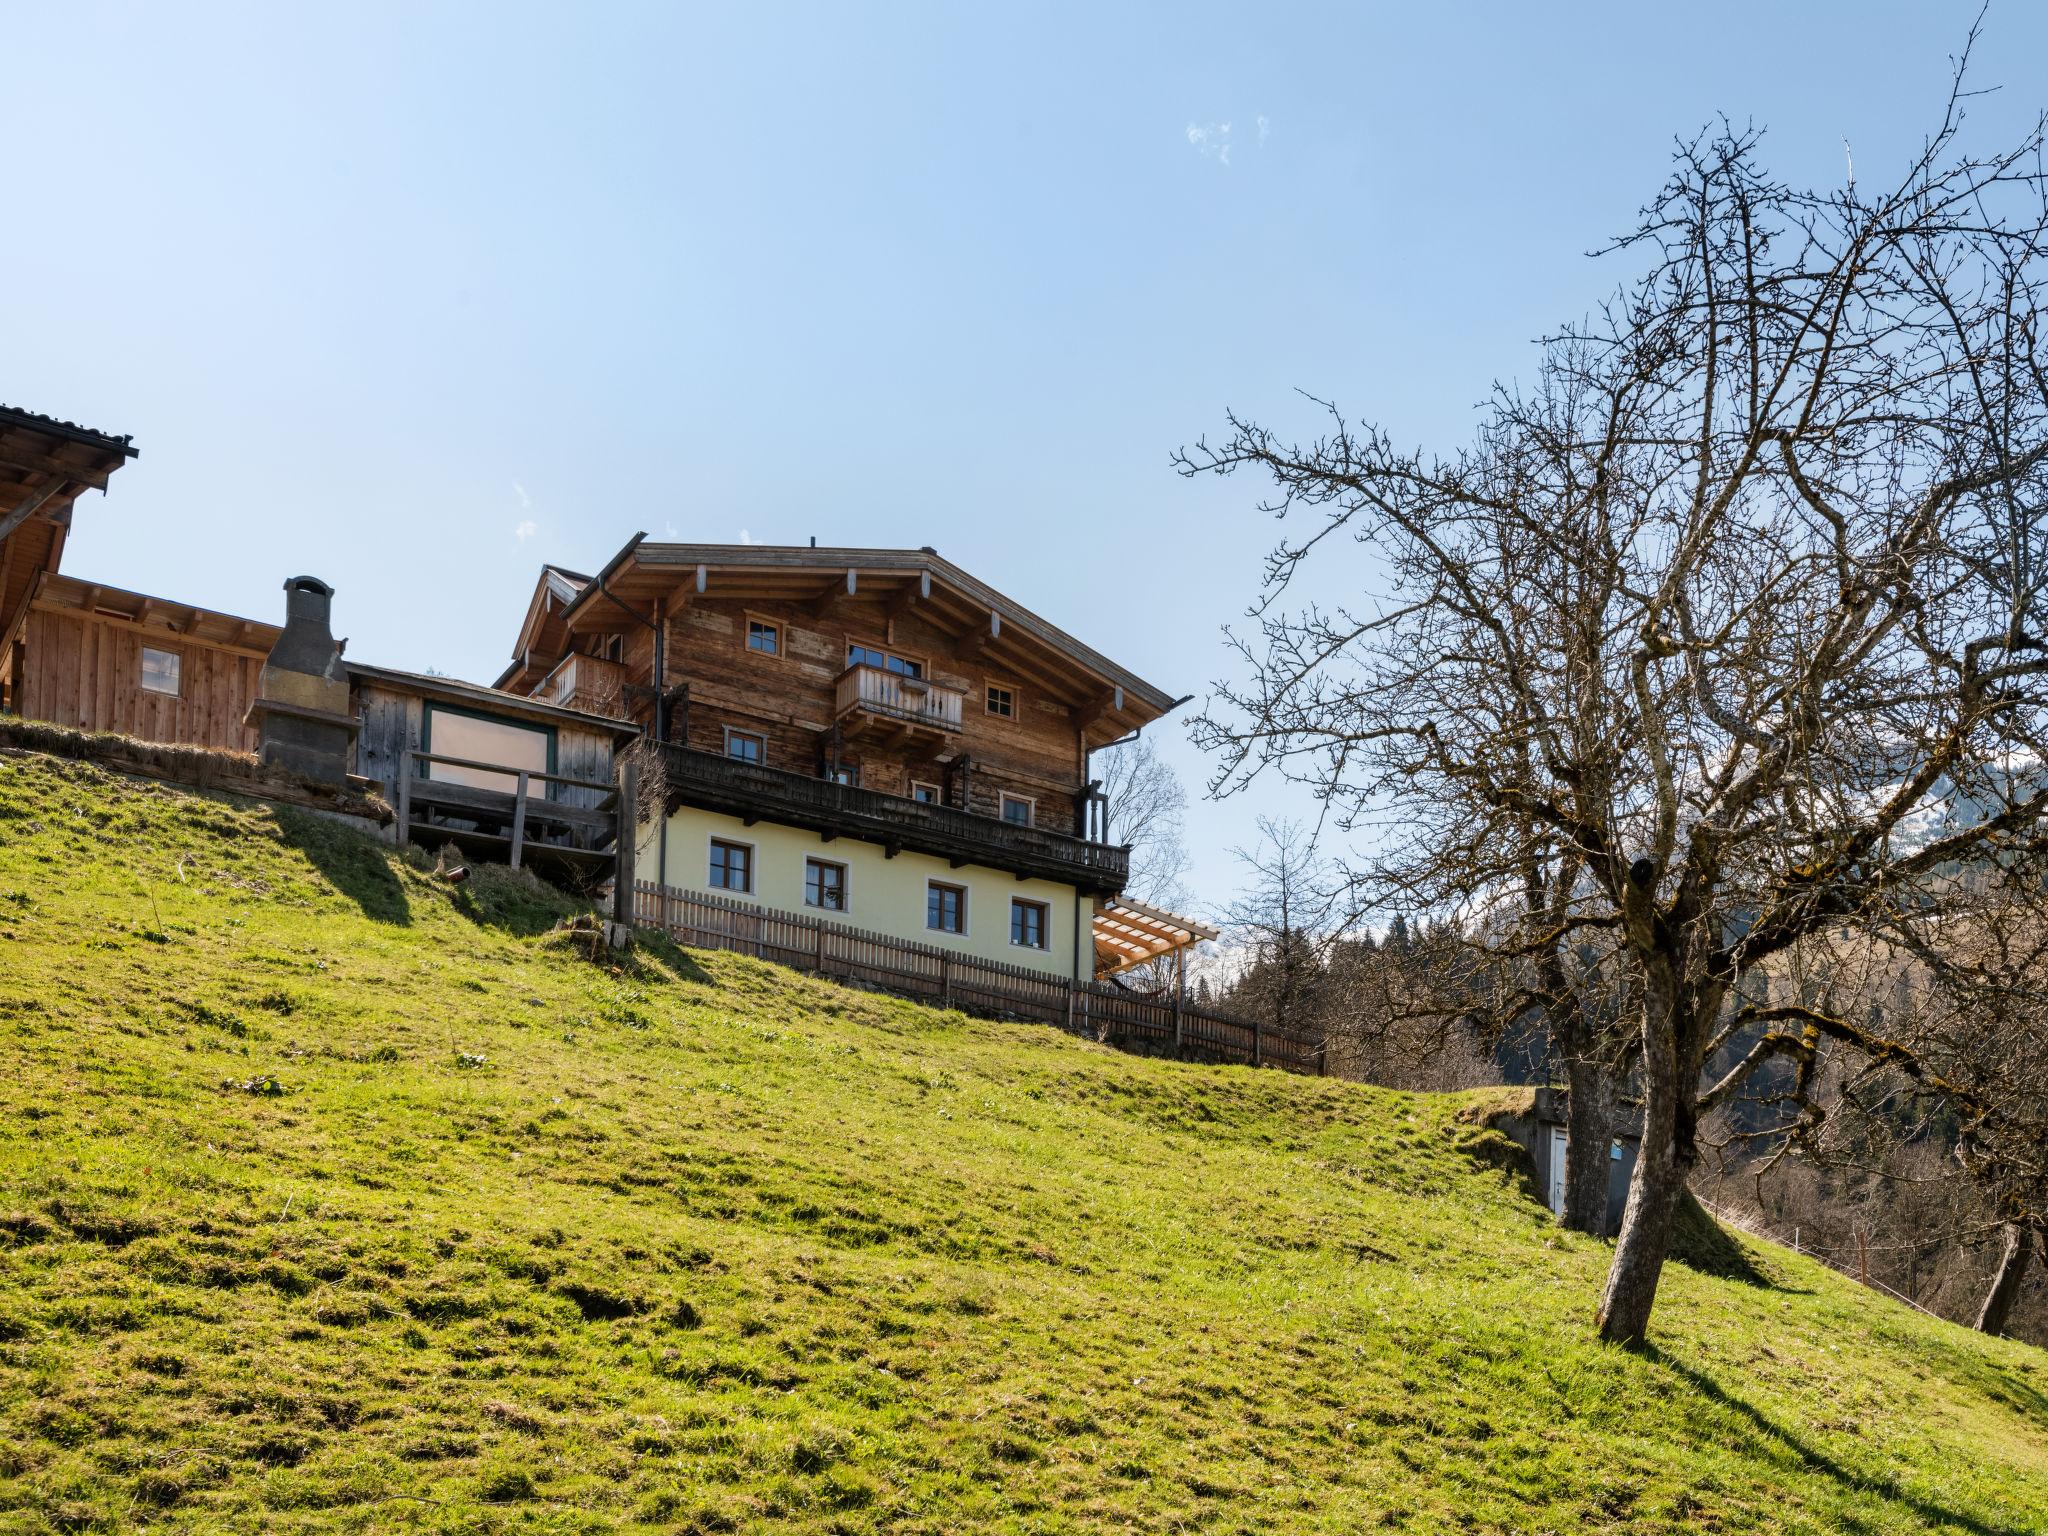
(1653, 1190)
(1588, 1133)
(2005, 1285)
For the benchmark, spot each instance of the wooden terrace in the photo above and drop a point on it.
(525, 822)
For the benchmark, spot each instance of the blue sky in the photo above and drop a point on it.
(415, 298)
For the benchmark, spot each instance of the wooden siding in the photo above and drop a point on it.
(84, 670)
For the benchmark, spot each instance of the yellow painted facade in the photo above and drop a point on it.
(884, 895)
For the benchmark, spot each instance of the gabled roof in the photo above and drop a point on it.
(1109, 698)
(542, 637)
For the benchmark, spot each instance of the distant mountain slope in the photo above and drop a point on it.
(336, 1198)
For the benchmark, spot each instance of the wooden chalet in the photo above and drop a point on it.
(873, 735)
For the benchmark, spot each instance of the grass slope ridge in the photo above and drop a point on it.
(333, 1198)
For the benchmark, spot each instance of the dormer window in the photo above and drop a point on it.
(764, 637)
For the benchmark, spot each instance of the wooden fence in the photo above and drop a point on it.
(1093, 1009)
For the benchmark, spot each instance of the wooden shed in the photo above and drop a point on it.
(98, 658)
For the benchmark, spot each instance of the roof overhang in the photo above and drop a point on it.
(45, 465)
(877, 585)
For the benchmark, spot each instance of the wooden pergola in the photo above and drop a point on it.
(1129, 933)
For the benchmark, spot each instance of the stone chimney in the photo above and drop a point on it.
(301, 706)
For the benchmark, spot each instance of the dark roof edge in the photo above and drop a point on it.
(611, 568)
(36, 421)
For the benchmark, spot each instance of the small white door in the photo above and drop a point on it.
(1557, 1170)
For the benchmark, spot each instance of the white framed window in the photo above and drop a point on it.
(764, 636)
(923, 793)
(825, 885)
(1019, 810)
(1002, 701)
(732, 866)
(161, 670)
(747, 746)
(1029, 923)
(945, 907)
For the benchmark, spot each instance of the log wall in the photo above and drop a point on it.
(790, 698)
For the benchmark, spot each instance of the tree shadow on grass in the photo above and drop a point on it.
(1814, 1459)
(352, 863)
(1700, 1243)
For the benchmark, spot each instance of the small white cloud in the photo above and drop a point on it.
(1211, 140)
(746, 537)
(672, 534)
(525, 501)
(1265, 127)
(526, 530)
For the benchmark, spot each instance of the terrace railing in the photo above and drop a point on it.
(753, 792)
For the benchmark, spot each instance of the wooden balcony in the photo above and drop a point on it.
(588, 683)
(565, 826)
(874, 703)
(755, 793)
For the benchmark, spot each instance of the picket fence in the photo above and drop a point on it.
(1095, 1010)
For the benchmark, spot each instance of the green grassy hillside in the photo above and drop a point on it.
(333, 1197)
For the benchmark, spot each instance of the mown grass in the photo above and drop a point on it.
(333, 1197)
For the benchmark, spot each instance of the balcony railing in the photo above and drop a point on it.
(756, 793)
(589, 683)
(919, 701)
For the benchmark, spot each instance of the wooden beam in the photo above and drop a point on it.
(31, 507)
(911, 594)
(13, 456)
(834, 595)
(973, 643)
(1108, 702)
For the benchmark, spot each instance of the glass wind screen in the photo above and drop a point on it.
(485, 741)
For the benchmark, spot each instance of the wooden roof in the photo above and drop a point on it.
(1110, 700)
(45, 464)
(223, 631)
(1129, 933)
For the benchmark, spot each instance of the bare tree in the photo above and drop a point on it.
(1146, 809)
(1701, 647)
(1279, 925)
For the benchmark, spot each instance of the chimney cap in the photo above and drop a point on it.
(308, 584)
